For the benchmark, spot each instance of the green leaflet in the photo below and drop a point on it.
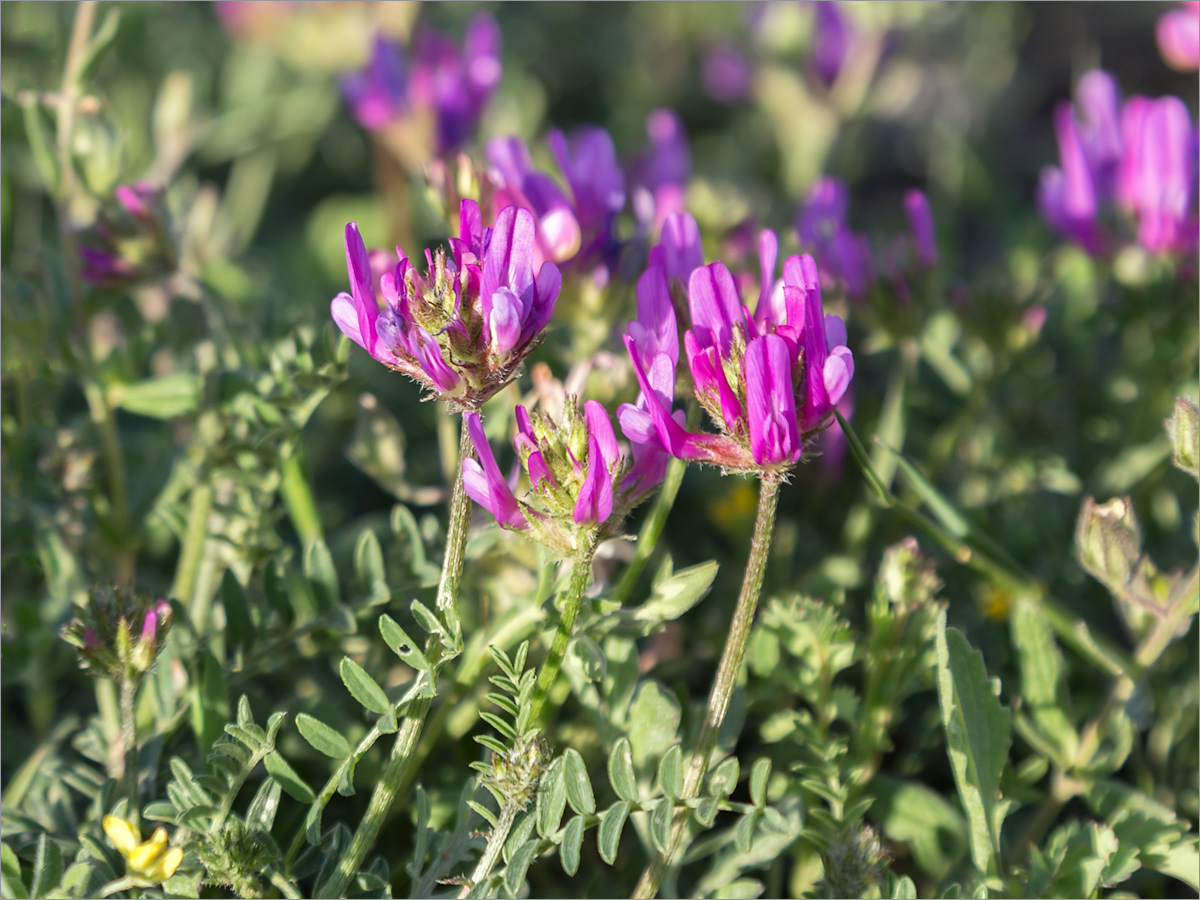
(977, 741)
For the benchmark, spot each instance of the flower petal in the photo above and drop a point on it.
(600, 428)
(715, 306)
(595, 500)
(484, 482)
(774, 435)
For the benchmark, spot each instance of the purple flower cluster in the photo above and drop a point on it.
(463, 327)
(845, 255)
(1137, 159)
(768, 380)
(454, 87)
(577, 226)
(580, 481)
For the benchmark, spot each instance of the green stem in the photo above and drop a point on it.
(581, 576)
(723, 684)
(651, 530)
(283, 884)
(195, 536)
(68, 100)
(129, 742)
(114, 460)
(403, 755)
(298, 498)
(380, 802)
(456, 541)
(495, 844)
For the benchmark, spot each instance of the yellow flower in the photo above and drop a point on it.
(145, 860)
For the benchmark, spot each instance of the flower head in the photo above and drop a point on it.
(463, 327)
(578, 229)
(581, 484)
(768, 380)
(146, 860)
(1138, 159)
(451, 86)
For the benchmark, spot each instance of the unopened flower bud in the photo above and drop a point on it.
(118, 634)
(1184, 429)
(1109, 541)
(855, 862)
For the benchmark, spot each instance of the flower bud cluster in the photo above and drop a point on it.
(118, 634)
(515, 775)
(131, 242)
(463, 327)
(581, 484)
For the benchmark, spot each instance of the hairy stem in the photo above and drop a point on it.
(129, 742)
(651, 530)
(495, 844)
(456, 541)
(381, 801)
(581, 576)
(723, 683)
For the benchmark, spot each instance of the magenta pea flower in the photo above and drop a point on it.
(579, 228)
(1178, 35)
(581, 484)
(518, 183)
(463, 327)
(1139, 159)
(1156, 181)
(452, 87)
(768, 380)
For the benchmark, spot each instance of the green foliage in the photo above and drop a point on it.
(973, 668)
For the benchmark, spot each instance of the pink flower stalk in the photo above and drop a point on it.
(455, 87)
(1178, 35)
(1140, 158)
(580, 481)
(768, 380)
(463, 327)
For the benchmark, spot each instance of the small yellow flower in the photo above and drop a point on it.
(145, 860)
